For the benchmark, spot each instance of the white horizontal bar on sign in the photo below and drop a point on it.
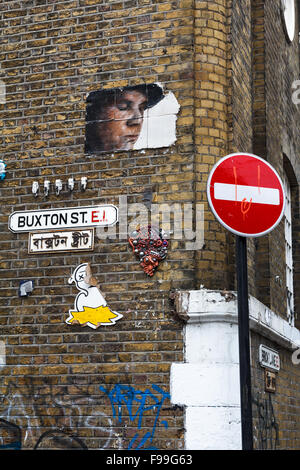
(237, 192)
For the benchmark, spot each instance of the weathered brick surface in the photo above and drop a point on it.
(211, 62)
(275, 415)
(53, 54)
(276, 138)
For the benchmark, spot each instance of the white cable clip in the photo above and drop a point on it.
(83, 183)
(46, 187)
(58, 186)
(71, 184)
(35, 188)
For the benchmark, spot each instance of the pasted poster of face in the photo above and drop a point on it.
(130, 118)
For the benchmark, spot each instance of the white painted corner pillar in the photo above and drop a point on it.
(207, 383)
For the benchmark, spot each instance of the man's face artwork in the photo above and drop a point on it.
(119, 123)
(115, 119)
(123, 128)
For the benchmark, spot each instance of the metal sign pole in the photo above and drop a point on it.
(246, 195)
(244, 343)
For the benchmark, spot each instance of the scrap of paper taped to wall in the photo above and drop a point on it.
(2, 90)
(2, 354)
(90, 307)
(159, 126)
(130, 118)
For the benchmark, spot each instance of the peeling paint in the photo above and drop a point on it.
(181, 303)
(228, 295)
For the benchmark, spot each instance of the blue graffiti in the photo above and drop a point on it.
(123, 396)
(12, 446)
(14, 432)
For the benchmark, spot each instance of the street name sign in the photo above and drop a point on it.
(61, 240)
(63, 218)
(269, 358)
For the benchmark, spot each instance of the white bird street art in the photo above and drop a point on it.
(90, 307)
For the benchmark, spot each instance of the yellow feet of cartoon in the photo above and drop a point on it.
(93, 317)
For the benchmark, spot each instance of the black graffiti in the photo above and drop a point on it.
(29, 402)
(61, 439)
(268, 429)
(39, 413)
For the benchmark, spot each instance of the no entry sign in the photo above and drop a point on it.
(246, 194)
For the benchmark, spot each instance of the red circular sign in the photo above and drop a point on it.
(246, 194)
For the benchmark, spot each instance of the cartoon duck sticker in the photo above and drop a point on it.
(90, 308)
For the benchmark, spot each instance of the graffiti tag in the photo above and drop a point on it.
(125, 399)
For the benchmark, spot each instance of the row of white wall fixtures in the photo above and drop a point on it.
(58, 186)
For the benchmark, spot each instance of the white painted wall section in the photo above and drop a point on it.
(207, 383)
(220, 432)
(214, 385)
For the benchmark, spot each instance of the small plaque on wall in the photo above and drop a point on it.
(69, 240)
(270, 381)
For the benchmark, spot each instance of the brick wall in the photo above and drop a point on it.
(276, 138)
(276, 119)
(275, 415)
(212, 131)
(53, 55)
